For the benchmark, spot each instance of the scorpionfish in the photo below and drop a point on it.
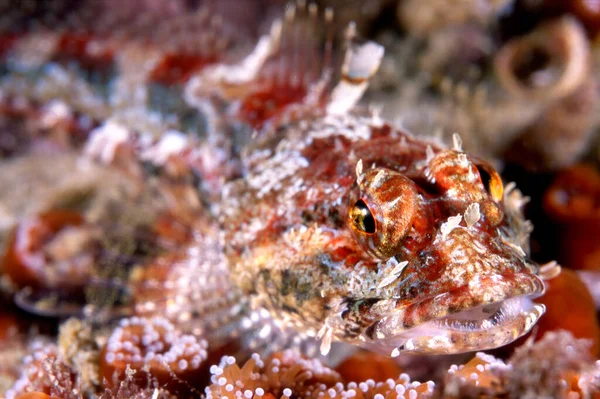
(332, 224)
(347, 228)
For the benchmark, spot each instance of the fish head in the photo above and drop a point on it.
(361, 233)
(452, 274)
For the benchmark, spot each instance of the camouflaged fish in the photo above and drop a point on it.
(350, 229)
(347, 228)
(325, 222)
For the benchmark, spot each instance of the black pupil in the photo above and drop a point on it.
(486, 178)
(366, 222)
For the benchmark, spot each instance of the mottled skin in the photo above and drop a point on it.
(341, 228)
(338, 226)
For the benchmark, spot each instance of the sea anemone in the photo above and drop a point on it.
(153, 348)
(44, 370)
(287, 374)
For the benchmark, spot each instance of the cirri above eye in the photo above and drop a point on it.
(382, 211)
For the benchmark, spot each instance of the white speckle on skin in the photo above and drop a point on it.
(457, 142)
(55, 112)
(105, 140)
(378, 179)
(429, 154)
(171, 143)
(376, 119)
(359, 172)
(326, 335)
(452, 223)
(271, 174)
(463, 160)
(472, 215)
(393, 274)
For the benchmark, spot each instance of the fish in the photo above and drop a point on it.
(350, 229)
(312, 219)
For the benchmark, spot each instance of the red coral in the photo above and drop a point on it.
(587, 11)
(570, 306)
(573, 201)
(9, 327)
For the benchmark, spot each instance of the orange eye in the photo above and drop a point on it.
(362, 218)
(491, 181)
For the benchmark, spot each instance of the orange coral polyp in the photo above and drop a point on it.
(286, 374)
(364, 365)
(154, 349)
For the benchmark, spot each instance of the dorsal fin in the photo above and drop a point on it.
(286, 75)
(361, 62)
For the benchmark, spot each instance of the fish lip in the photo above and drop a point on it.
(503, 312)
(483, 290)
(443, 323)
(437, 337)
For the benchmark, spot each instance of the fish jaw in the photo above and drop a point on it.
(489, 312)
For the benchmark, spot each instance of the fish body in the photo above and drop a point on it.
(347, 228)
(323, 222)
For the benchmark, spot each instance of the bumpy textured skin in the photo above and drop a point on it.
(438, 265)
(293, 248)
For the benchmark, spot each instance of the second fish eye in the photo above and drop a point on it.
(491, 181)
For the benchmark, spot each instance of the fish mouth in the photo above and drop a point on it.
(470, 330)
(462, 320)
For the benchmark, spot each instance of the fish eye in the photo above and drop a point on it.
(382, 208)
(491, 181)
(362, 218)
